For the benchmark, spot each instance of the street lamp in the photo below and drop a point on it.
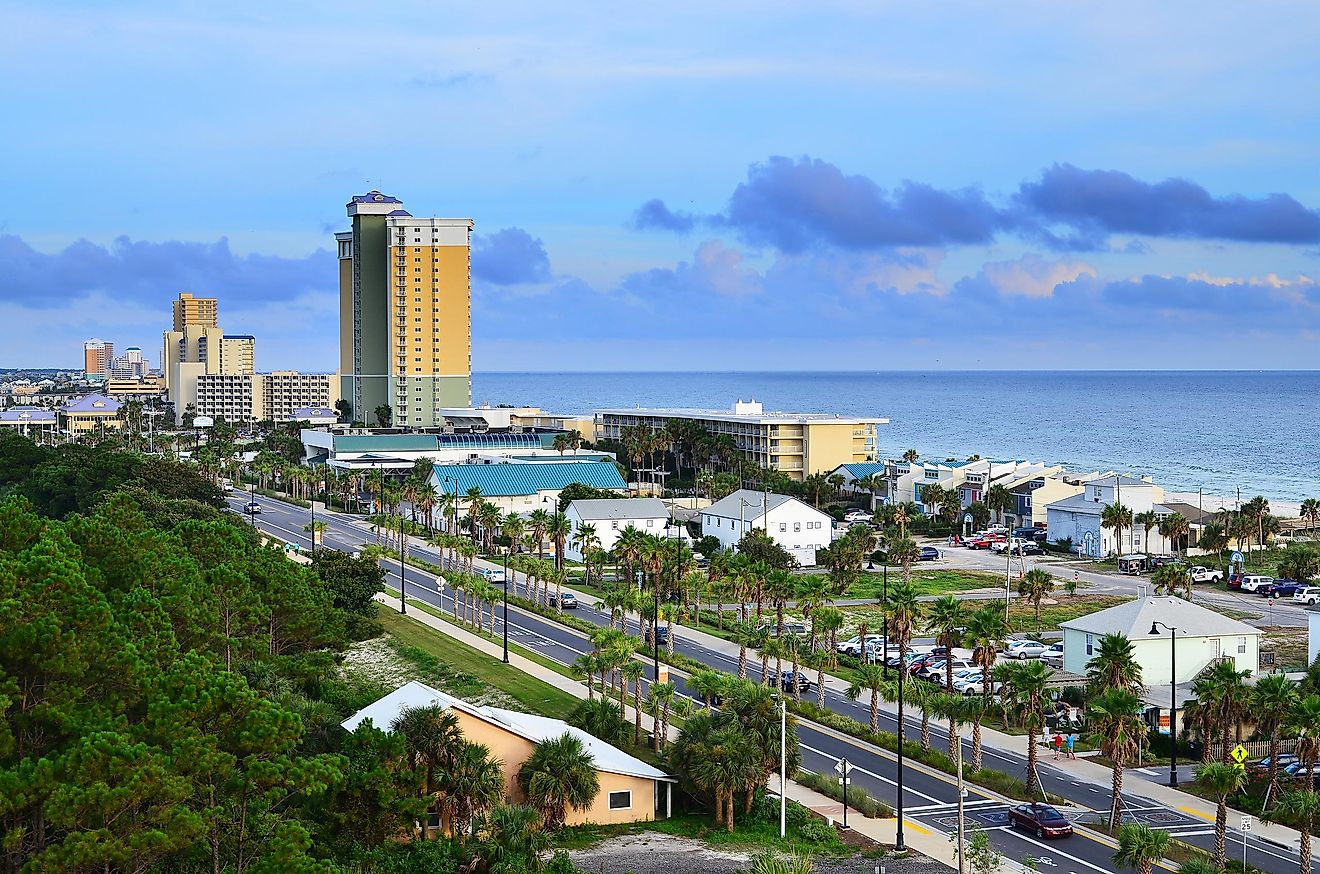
(507, 547)
(899, 846)
(1173, 698)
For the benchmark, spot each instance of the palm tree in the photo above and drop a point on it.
(1225, 691)
(1140, 847)
(1114, 666)
(1214, 537)
(1310, 511)
(538, 521)
(999, 499)
(585, 540)
(872, 678)
(1272, 701)
(1304, 721)
(1036, 585)
(633, 671)
(904, 552)
(1114, 720)
(986, 629)
(513, 838)
(1175, 528)
(432, 739)
(709, 684)
(1025, 685)
(826, 621)
(472, 783)
(946, 619)
(1147, 519)
(670, 613)
(559, 774)
(1220, 781)
(660, 699)
(722, 765)
(1117, 517)
(1298, 809)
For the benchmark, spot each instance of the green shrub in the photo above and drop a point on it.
(858, 798)
(816, 830)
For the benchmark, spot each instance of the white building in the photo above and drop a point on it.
(1203, 637)
(611, 516)
(797, 527)
(1077, 518)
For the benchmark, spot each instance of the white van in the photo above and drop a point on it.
(1256, 583)
(491, 575)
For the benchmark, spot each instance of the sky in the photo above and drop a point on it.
(698, 186)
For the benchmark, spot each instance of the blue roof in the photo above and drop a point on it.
(27, 414)
(91, 404)
(861, 469)
(502, 480)
(374, 196)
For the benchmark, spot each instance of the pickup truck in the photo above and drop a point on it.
(1203, 574)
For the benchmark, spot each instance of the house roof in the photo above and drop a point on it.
(32, 415)
(861, 469)
(621, 508)
(313, 413)
(1078, 503)
(1119, 479)
(1189, 511)
(1134, 619)
(502, 480)
(731, 507)
(92, 404)
(536, 729)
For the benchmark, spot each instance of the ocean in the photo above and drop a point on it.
(1194, 430)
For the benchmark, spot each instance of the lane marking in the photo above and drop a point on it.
(1197, 813)
(894, 783)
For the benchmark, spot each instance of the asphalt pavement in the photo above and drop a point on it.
(929, 796)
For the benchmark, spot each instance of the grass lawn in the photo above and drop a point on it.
(1289, 645)
(926, 582)
(466, 672)
(1022, 616)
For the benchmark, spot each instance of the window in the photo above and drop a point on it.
(783, 526)
(797, 526)
(1089, 647)
(621, 800)
(1242, 646)
(650, 523)
(615, 525)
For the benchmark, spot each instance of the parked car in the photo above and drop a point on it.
(1234, 581)
(1202, 574)
(977, 687)
(1053, 656)
(251, 508)
(1307, 595)
(1283, 589)
(857, 516)
(920, 662)
(787, 628)
(1041, 819)
(567, 601)
(853, 645)
(789, 684)
(1027, 547)
(961, 676)
(1025, 649)
(986, 541)
(929, 553)
(1256, 584)
(661, 634)
(1263, 766)
(936, 670)
(1036, 534)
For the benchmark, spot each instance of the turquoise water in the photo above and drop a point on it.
(1217, 431)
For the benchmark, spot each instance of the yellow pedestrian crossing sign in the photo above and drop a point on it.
(1239, 754)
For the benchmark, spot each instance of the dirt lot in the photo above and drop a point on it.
(654, 853)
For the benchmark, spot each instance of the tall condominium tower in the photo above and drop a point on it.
(405, 316)
(97, 355)
(189, 310)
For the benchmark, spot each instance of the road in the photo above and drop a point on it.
(929, 796)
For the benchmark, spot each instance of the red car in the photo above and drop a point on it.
(1040, 819)
(984, 541)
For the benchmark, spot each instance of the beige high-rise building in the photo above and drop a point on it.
(405, 319)
(97, 356)
(238, 354)
(189, 310)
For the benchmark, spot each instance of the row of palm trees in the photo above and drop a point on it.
(1250, 525)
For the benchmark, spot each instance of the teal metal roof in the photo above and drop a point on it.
(501, 480)
(427, 442)
(863, 468)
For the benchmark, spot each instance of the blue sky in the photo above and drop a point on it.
(714, 186)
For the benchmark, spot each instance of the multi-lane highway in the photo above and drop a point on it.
(929, 796)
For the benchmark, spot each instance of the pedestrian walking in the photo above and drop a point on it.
(1071, 741)
(1058, 745)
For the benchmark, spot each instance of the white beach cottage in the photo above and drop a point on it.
(1203, 637)
(798, 527)
(611, 516)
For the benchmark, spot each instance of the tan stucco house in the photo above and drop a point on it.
(630, 789)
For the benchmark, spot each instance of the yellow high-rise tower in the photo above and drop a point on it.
(405, 312)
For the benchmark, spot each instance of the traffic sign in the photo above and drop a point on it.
(1239, 754)
(1246, 823)
(1236, 557)
(842, 767)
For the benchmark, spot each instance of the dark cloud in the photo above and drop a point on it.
(654, 214)
(793, 204)
(1094, 204)
(510, 256)
(151, 272)
(796, 205)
